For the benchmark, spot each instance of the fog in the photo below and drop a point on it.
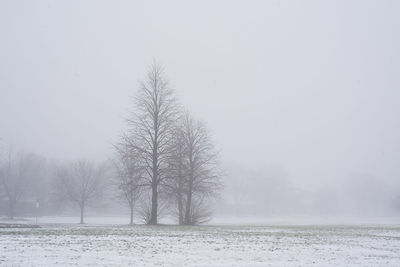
(301, 97)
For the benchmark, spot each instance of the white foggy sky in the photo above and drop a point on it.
(310, 86)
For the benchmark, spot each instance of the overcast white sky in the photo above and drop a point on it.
(310, 86)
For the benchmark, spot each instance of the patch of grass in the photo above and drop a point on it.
(18, 225)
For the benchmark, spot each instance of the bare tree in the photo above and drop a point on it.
(202, 170)
(129, 175)
(151, 129)
(80, 183)
(15, 177)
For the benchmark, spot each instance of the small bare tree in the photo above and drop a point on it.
(129, 175)
(151, 129)
(80, 183)
(202, 170)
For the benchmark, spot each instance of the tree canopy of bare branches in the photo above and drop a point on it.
(174, 152)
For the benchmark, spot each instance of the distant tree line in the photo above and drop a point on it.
(164, 165)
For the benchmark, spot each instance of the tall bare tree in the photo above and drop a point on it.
(80, 183)
(151, 129)
(129, 175)
(202, 170)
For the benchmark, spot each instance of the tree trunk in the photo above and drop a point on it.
(154, 205)
(131, 222)
(180, 207)
(188, 220)
(154, 184)
(82, 208)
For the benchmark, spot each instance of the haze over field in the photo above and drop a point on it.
(302, 97)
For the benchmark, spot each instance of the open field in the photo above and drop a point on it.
(229, 245)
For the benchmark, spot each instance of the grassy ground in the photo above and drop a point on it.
(92, 245)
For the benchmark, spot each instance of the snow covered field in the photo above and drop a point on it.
(228, 245)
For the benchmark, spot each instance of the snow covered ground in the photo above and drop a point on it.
(110, 244)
